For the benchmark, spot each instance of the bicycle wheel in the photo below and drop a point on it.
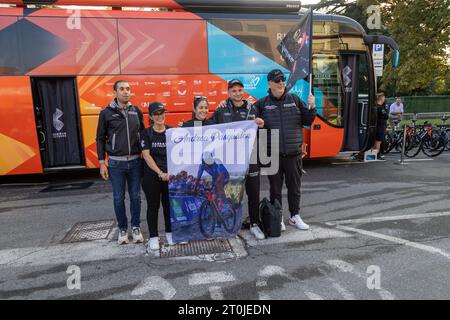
(433, 145)
(228, 216)
(386, 143)
(412, 145)
(207, 219)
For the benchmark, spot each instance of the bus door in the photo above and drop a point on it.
(57, 121)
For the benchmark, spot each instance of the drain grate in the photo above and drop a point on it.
(194, 248)
(67, 187)
(88, 231)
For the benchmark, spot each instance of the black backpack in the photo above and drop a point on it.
(270, 216)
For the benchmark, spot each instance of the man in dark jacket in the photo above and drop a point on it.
(118, 135)
(236, 108)
(288, 114)
(382, 117)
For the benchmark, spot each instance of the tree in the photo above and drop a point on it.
(422, 30)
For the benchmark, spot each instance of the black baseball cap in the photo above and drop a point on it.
(155, 106)
(234, 82)
(275, 74)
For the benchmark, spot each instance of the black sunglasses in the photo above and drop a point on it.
(279, 80)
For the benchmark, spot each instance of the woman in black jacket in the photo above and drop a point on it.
(200, 114)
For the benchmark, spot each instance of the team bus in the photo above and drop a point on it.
(58, 66)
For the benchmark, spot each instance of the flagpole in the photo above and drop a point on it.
(310, 54)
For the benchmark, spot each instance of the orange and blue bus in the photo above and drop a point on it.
(58, 66)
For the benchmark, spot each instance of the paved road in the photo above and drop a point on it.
(379, 231)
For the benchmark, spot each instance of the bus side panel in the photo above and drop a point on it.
(18, 136)
(58, 48)
(175, 91)
(325, 140)
(150, 46)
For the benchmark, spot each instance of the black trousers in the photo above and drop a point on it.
(252, 182)
(290, 168)
(156, 192)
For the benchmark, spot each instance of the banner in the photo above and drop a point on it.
(296, 49)
(207, 168)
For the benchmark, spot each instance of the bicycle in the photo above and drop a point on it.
(213, 211)
(426, 139)
(444, 131)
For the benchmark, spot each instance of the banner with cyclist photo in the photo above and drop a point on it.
(207, 167)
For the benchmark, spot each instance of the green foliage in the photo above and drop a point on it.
(422, 30)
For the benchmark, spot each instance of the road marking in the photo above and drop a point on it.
(210, 277)
(68, 253)
(264, 274)
(155, 284)
(216, 293)
(411, 160)
(294, 235)
(412, 244)
(343, 291)
(313, 296)
(391, 218)
(348, 268)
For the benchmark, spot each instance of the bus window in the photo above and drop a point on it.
(327, 79)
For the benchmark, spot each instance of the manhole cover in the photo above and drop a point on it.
(90, 230)
(194, 248)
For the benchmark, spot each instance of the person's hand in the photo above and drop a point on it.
(259, 122)
(180, 124)
(304, 152)
(311, 101)
(222, 104)
(164, 176)
(104, 170)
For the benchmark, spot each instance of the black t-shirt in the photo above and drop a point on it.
(156, 143)
(382, 115)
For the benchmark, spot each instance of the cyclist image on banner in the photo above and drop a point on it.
(216, 208)
(217, 171)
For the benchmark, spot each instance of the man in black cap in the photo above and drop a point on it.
(118, 135)
(236, 108)
(287, 113)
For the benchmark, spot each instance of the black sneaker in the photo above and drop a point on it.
(380, 157)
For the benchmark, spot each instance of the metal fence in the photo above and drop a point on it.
(425, 104)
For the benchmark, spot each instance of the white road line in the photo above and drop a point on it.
(210, 277)
(155, 284)
(216, 293)
(344, 292)
(313, 296)
(344, 266)
(390, 218)
(264, 274)
(411, 160)
(412, 244)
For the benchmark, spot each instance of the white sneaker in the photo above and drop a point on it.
(283, 226)
(256, 231)
(298, 222)
(137, 235)
(123, 237)
(169, 239)
(153, 243)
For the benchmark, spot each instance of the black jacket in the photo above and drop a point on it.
(118, 135)
(382, 115)
(192, 122)
(230, 113)
(288, 114)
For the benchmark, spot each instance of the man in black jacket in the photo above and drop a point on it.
(236, 108)
(382, 117)
(288, 114)
(118, 135)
